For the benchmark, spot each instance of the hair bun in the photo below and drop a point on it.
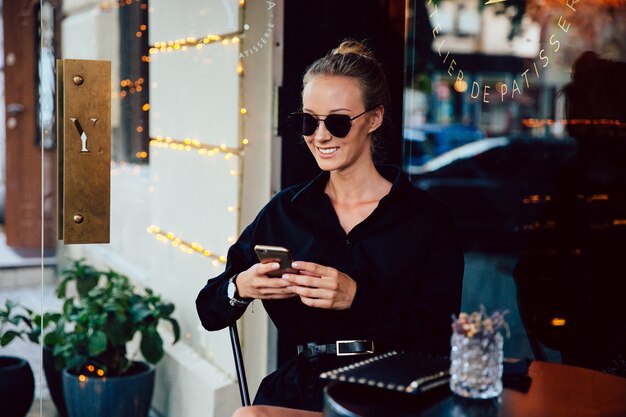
(586, 66)
(353, 47)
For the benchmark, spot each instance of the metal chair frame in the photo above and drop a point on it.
(241, 371)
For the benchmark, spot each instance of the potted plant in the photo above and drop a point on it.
(17, 385)
(100, 379)
(82, 277)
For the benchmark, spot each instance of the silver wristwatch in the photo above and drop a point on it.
(232, 294)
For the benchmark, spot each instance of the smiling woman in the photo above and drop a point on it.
(377, 263)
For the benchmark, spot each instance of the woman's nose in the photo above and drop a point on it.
(321, 133)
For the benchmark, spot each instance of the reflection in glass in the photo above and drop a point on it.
(47, 83)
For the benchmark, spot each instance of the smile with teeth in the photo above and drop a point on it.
(327, 151)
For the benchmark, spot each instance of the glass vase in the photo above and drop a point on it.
(476, 366)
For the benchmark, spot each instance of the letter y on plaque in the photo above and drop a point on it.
(84, 165)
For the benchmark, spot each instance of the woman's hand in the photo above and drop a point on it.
(322, 286)
(254, 283)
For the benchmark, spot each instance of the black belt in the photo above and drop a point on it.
(339, 348)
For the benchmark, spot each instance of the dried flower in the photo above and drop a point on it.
(479, 324)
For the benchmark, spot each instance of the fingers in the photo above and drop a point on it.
(311, 292)
(254, 283)
(311, 281)
(309, 274)
(264, 269)
(279, 296)
(316, 269)
(317, 302)
(271, 288)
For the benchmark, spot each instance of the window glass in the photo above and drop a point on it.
(485, 130)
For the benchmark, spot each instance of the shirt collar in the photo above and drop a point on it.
(400, 184)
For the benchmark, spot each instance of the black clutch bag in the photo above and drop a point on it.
(406, 372)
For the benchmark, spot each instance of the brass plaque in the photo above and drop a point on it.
(84, 150)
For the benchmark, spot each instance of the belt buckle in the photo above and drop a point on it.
(340, 342)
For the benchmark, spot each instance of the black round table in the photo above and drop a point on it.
(556, 390)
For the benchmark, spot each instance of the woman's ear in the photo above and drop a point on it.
(376, 118)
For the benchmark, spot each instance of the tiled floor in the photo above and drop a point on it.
(43, 408)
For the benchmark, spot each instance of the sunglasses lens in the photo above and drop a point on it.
(338, 125)
(309, 124)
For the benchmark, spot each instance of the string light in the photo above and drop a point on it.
(132, 87)
(189, 144)
(109, 5)
(183, 245)
(183, 43)
(194, 144)
(573, 122)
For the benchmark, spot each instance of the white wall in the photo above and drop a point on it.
(195, 94)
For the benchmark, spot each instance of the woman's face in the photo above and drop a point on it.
(324, 95)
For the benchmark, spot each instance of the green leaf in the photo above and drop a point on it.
(61, 288)
(8, 337)
(50, 318)
(97, 343)
(120, 316)
(138, 312)
(175, 328)
(151, 345)
(75, 362)
(23, 319)
(85, 283)
(166, 309)
(116, 332)
(50, 339)
(67, 307)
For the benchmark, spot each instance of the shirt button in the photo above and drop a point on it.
(348, 242)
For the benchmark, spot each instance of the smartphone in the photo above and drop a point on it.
(278, 254)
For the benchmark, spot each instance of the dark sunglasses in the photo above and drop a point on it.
(337, 124)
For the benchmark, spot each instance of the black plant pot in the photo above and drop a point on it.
(54, 378)
(122, 396)
(17, 386)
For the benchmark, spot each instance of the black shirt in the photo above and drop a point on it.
(404, 257)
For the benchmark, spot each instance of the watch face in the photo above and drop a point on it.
(231, 289)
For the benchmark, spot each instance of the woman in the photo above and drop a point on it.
(377, 260)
